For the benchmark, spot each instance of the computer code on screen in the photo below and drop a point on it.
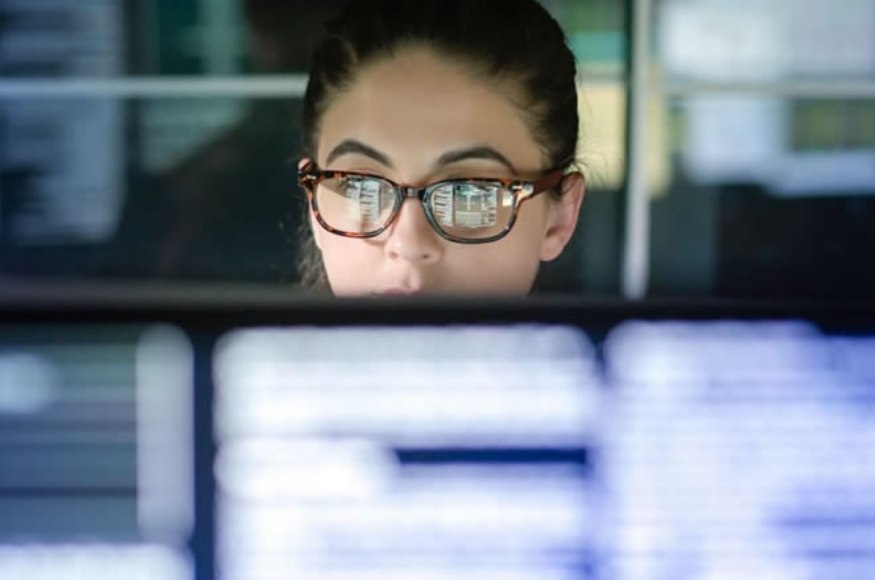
(742, 450)
(408, 453)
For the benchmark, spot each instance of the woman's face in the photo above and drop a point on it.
(416, 119)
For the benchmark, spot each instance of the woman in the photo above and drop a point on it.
(439, 152)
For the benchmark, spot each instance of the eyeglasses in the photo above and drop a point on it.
(466, 211)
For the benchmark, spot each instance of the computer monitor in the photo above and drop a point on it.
(203, 439)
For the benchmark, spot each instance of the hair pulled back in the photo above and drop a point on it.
(515, 44)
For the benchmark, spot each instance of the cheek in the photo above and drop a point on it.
(529, 231)
(349, 263)
(519, 254)
(510, 264)
(506, 267)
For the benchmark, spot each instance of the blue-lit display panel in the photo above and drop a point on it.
(457, 452)
(95, 453)
(742, 450)
(597, 449)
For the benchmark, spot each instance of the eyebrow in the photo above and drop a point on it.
(481, 152)
(353, 146)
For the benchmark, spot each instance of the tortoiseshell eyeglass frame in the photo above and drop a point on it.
(309, 177)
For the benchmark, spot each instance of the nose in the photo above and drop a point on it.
(411, 237)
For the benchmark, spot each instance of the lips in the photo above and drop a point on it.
(399, 291)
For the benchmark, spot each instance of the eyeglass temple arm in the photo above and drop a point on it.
(547, 182)
(307, 167)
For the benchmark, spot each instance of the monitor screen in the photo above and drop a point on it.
(557, 441)
(436, 452)
(96, 452)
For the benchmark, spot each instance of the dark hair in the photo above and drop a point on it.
(512, 41)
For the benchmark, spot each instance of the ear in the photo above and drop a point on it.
(562, 216)
(303, 162)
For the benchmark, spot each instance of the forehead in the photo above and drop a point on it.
(416, 105)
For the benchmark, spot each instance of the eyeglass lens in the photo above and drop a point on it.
(463, 210)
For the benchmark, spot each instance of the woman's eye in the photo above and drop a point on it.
(465, 205)
(365, 197)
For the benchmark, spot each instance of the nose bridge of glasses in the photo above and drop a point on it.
(411, 191)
